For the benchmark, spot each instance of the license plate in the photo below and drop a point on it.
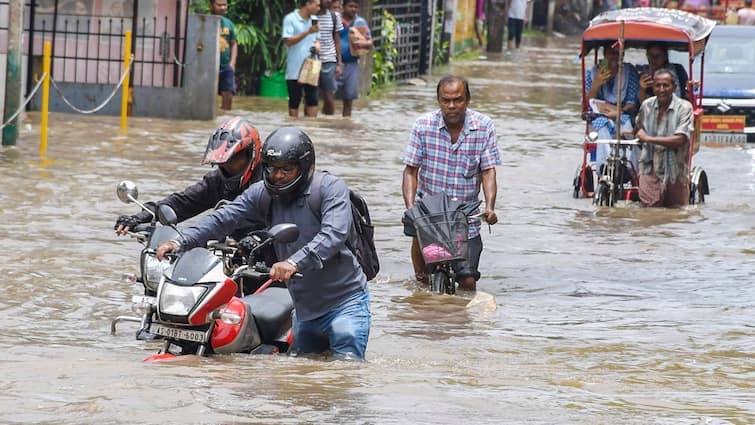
(177, 333)
(723, 138)
(143, 299)
(723, 123)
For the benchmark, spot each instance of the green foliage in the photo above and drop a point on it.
(383, 60)
(258, 26)
(440, 46)
(201, 7)
(258, 32)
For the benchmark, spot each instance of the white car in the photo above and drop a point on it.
(729, 85)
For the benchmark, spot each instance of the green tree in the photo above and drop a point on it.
(258, 31)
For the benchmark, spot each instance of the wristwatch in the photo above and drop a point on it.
(293, 263)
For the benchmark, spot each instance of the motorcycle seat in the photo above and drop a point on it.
(271, 310)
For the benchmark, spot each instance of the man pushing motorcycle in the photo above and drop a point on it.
(331, 299)
(235, 148)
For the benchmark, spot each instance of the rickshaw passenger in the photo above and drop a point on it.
(601, 85)
(657, 55)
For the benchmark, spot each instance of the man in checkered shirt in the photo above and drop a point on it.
(454, 150)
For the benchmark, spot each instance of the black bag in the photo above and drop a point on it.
(361, 238)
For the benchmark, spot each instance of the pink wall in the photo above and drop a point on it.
(104, 17)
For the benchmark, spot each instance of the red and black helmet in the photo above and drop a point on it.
(230, 138)
(233, 137)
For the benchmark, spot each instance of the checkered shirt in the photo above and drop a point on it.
(453, 168)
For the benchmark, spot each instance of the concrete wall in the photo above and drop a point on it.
(196, 100)
(464, 22)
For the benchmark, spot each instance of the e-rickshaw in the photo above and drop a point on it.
(636, 29)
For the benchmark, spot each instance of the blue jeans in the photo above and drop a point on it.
(344, 330)
(328, 77)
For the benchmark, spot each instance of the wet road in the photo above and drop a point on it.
(622, 316)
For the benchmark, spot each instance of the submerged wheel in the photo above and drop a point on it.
(604, 197)
(696, 194)
(440, 283)
(577, 183)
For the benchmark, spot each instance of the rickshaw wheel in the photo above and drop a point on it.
(603, 196)
(696, 194)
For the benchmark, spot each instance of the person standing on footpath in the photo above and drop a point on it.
(228, 52)
(517, 13)
(664, 126)
(356, 41)
(746, 15)
(330, 54)
(301, 35)
(479, 22)
(331, 298)
(453, 150)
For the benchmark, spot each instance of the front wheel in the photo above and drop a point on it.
(441, 282)
(604, 196)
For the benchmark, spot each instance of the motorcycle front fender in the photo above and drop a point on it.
(236, 338)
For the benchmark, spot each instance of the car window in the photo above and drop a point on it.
(730, 55)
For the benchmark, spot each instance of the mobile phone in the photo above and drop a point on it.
(314, 21)
(603, 64)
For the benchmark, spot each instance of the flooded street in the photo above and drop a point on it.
(604, 316)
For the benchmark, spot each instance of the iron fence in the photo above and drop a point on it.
(413, 35)
(88, 47)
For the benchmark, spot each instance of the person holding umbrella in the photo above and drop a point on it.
(453, 150)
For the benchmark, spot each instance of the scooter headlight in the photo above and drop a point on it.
(179, 300)
(153, 271)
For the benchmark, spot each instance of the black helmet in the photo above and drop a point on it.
(288, 144)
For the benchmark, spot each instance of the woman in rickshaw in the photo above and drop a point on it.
(657, 55)
(601, 85)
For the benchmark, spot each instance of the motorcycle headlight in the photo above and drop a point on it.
(153, 271)
(179, 300)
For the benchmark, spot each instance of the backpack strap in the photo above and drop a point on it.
(315, 194)
(333, 17)
(265, 201)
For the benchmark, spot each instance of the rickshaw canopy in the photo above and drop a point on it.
(677, 29)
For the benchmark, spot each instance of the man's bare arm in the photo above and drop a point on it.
(409, 185)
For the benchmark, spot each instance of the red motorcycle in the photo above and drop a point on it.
(197, 310)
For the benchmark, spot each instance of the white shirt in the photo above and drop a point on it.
(517, 9)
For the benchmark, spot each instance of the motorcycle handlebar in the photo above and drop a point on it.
(141, 236)
(222, 246)
(482, 216)
(270, 281)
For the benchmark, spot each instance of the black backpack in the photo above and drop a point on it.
(361, 238)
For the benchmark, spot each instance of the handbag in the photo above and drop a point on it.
(354, 36)
(310, 71)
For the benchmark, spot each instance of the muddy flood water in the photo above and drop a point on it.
(604, 316)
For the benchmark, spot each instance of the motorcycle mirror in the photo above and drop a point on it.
(127, 191)
(166, 215)
(284, 232)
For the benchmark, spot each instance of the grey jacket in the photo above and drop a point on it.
(331, 273)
